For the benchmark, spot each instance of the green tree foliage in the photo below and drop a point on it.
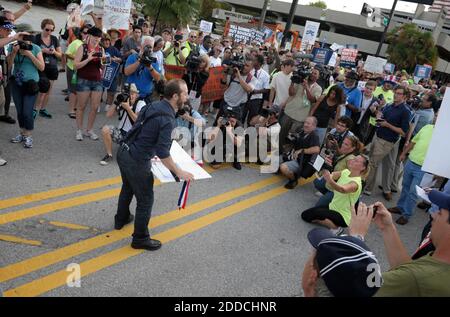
(174, 13)
(318, 4)
(408, 47)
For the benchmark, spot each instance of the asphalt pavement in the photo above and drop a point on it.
(240, 235)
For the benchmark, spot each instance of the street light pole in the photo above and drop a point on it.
(157, 17)
(289, 23)
(263, 14)
(383, 37)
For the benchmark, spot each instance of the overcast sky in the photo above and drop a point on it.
(355, 6)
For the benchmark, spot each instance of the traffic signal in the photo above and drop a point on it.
(367, 10)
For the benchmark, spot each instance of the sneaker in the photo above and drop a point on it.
(338, 231)
(106, 160)
(18, 139)
(92, 135)
(44, 113)
(291, 184)
(79, 135)
(2, 162)
(34, 114)
(28, 143)
(318, 194)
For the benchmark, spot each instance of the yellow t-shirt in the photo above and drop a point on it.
(422, 142)
(72, 50)
(388, 95)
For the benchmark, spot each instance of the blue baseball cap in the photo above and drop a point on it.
(6, 24)
(346, 264)
(440, 199)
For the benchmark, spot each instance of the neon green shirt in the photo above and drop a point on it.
(422, 142)
(72, 50)
(341, 202)
(388, 95)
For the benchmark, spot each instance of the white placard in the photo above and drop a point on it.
(183, 161)
(362, 85)
(336, 47)
(437, 161)
(86, 6)
(375, 64)
(310, 34)
(333, 60)
(206, 26)
(116, 14)
(422, 194)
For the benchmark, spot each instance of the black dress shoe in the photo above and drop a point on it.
(237, 166)
(119, 225)
(7, 119)
(150, 245)
(291, 184)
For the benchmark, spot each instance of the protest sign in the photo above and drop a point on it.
(348, 57)
(362, 85)
(206, 26)
(86, 6)
(109, 74)
(423, 71)
(336, 47)
(374, 64)
(214, 89)
(333, 60)
(389, 68)
(246, 35)
(116, 14)
(322, 55)
(310, 34)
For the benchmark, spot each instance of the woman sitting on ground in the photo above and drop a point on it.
(346, 187)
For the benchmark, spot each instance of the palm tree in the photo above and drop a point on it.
(410, 47)
(174, 13)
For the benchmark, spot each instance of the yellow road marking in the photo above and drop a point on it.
(68, 225)
(54, 193)
(36, 263)
(57, 279)
(14, 239)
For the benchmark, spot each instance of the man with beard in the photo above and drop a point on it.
(149, 137)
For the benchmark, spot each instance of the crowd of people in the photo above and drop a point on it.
(327, 124)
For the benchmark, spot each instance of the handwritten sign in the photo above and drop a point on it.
(206, 26)
(374, 64)
(116, 14)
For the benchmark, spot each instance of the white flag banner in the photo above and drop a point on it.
(116, 14)
(310, 34)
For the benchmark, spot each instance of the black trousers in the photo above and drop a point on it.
(322, 213)
(251, 109)
(7, 90)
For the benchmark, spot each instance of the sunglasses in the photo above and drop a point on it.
(49, 30)
(193, 37)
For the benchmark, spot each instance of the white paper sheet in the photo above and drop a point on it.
(318, 163)
(183, 161)
(422, 194)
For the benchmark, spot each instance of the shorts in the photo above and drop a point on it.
(84, 85)
(293, 166)
(117, 134)
(51, 72)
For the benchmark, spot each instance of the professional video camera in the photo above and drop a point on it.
(301, 74)
(122, 97)
(193, 62)
(238, 62)
(147, 59)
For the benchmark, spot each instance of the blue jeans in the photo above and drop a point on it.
(24, 106)
(137, 180)
(327, 197)
(412, 176)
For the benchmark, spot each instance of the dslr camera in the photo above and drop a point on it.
(238, 62)
(300, 75)
(25, 46)
(147, 59)
(193, 62)
(124, 96)
(228, 113)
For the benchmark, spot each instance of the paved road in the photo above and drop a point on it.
(241, 234)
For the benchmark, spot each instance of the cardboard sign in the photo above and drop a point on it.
(348, 57)
(206, 26)
(322, 56)
(375, 64)
(246, 35)
(116, 14)
(310, 34)
(423, 71)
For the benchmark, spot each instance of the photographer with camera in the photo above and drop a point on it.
(303, 92)
(142, 69)
(227, 123)
(189, 118)
(347, 187)
(196, 76)
(424, 115)
(127, 106)
(240, 84)
(305, 145)
(89, 81)
(28, 61)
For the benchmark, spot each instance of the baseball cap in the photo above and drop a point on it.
(6, 24)
(344, 264)
(440, 199)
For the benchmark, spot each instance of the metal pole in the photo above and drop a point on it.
(289, 23)
(263, 14)
(157, 17)
(383, 37)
